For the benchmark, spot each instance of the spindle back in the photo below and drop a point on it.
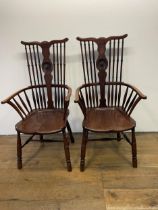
(104, 55)
(46, 62)
(102, 61)
(46, 56)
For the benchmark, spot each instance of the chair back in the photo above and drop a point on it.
(102, 61)
(46, 62)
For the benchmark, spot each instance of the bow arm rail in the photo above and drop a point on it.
(126, 96)
(24, 105)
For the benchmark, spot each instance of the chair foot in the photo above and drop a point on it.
(118, 136)
(134, 163)
(83, 149)
(19, 151)
(70, 132)
(69, 167)
(134, 149)
(82, 165)
(41, 138)
(67, 152)
(19, 165)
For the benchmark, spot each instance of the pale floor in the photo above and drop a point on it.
(108, 183)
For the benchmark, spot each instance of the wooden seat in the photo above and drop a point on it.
(107, 120)
(45, 121)
(43, 106)
(105, 100)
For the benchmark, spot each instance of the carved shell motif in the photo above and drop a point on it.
(46, 66)
(102, 63)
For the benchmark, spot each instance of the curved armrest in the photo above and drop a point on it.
(80, 99)
(67, 97)
(131, 97)
(14, 94)
(27, 99)
(136, 90)
(117, 94)
(20, 106)
(77, 94)
(77, 97)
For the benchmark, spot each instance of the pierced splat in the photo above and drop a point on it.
(47, 69)
(46, 66)
(102, 64)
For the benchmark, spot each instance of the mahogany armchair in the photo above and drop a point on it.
(43, 106)
(105, 100)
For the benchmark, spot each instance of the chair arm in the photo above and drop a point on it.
(24, 105)
(131, 97)
(19, 106)
(14, 94)
(127, 96)
(77, 98)
(142, 96)
(67, 100)
(67, 97)
(77, 94)
(80, 99)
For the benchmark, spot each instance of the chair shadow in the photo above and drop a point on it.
(114, 148)
(41, 148)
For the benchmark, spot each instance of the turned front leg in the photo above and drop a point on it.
(19, 151)
(83, 149)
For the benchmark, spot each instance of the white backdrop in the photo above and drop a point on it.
(46, 20)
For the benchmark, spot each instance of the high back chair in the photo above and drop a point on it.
(43, 106)
(105, 100)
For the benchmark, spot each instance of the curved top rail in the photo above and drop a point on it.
(44, 42)
(103, 38)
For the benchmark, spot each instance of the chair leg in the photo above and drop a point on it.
(118, 136)
(134, 149)
(67, 152)
(83, 149)
(41, 138)
(19, 151)
(70, 132)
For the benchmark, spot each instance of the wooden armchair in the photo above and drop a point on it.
(106, 102)
(43, 106)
